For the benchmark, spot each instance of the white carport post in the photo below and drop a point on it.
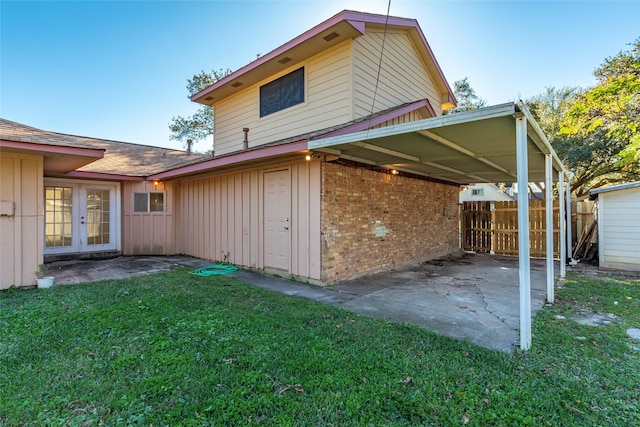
(563, 251)
(524, 264)
(569, 238)
(548, 195)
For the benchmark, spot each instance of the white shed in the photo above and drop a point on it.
(619, 226)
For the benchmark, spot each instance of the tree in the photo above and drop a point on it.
(200, 125)
(605, 122)
(595, 131)
(550, 107)
(466, 96)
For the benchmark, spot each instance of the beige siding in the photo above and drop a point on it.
(403, 77)
(21, 218)
(619, 232)
(327, 103)
(220, 217)
(149, 233)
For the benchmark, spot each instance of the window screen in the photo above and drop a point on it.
(148, 202)
(141, 202)
(282, 93)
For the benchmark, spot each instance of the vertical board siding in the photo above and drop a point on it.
(232, 221)
(22, 224)
(620, 229)
(397, 85)
(146, 233)
(327, 103)
(405, 118)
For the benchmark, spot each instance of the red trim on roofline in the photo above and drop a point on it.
(103, 176)
(98, 153)
(452, 98)
(255, 154)
(357, 20)
(274, 53)
(367, 124)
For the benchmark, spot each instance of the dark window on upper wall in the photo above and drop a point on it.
(282, 93)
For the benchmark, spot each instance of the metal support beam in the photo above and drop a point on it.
(548, 195)
(563, 239)
(569, 239)
(410, 157)
(387, 151)
(466, 151)
(524, 262)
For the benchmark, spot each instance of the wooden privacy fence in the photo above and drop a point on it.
(492, 227)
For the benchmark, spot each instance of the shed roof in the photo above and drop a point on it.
(78, 156)
(618, 187)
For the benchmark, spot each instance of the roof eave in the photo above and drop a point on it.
(261, 153)
(103, 176)
(317, 31)
(618, 187)
(57, 159)
(356, 22)
(45, 149)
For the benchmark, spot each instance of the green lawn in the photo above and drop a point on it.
(177, 349)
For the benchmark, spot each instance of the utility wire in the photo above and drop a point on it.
(375, 91)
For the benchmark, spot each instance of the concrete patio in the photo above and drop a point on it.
(465, 296)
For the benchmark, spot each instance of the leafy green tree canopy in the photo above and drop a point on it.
(596, 131)
(198, 126)
(466, 96)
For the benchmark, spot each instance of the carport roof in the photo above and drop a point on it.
(467, 147)
(502, 143)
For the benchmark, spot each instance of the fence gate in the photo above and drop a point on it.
(476, 226)
(492, 227)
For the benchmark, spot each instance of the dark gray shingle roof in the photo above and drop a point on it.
(120, 158)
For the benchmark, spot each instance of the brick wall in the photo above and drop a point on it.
(373, 220)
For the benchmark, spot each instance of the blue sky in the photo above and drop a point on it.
(118, 69)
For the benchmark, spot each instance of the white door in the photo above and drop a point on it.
(277, 213)
(81, 217)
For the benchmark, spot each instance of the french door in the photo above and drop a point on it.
(81, 216)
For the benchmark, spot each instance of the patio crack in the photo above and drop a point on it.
(483, 315)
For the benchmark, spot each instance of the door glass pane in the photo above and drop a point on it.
(97, 218)
(58, 216)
